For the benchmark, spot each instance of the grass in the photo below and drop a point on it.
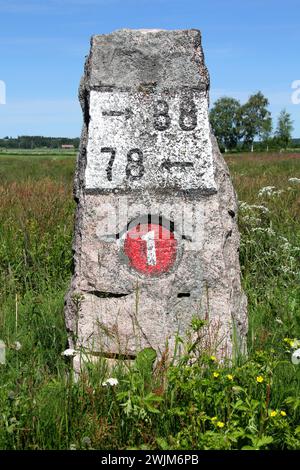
(190, 406)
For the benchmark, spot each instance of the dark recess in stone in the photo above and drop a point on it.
(101, 294)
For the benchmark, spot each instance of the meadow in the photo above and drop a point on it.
(252, 403)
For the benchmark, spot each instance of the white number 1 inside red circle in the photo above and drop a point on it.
(149, 238)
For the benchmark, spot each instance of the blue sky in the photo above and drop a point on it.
(249, 45)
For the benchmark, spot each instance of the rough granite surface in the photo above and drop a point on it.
(148, 90)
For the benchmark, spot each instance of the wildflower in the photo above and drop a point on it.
(214, 418)
(213, 358)
(216, 375)
(112, 382)
(17, 345)
(296, 357)
(266, 190)
(267, 230)
(294, 180)
(86, 441)
(273, 413)
(69, 353)
(259, 379)
(244, 206)
(283, 413)
(2, 352)
(293, 343)
(261, 208)
(11, 395)
(220, 424)
(230, 377)
(296, 343)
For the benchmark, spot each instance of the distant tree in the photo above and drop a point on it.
(284, 128)
(255, 119)
(224, 119)
(266, 135)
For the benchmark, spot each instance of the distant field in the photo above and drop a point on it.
(37, 152)
(42, 409)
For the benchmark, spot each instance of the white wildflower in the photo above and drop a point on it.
(267, 230)
(244, 205)
(69, 353)
(296, 357)
(17, 345)
(112, 382)
(286, 270)
(269, 191)
(294, 180)
(266, 191)
(2, 352)
(251, 220)
(261, 208)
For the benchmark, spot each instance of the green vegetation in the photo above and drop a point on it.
(196, 404)
(32, 141)
(249, 126)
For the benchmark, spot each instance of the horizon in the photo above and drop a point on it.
(248, 47)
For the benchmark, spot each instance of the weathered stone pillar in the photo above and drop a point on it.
(156, 238)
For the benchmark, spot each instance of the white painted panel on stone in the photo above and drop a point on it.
(149, 141)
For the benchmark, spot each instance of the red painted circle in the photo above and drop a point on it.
(151, 248)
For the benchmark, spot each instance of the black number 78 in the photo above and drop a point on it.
(134, 168)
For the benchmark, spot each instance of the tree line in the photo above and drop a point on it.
(240, 126)
(32, 142)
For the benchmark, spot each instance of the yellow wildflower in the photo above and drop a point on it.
(220, 424)
(230, 377)
(259, 379)
(283, 413)
(213, 358)
(289, 341)
(273, 413)
(216, 375)
(214, 418)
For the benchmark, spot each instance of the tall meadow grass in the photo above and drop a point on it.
(196, 404)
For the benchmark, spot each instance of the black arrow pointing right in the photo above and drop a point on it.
(127, 113)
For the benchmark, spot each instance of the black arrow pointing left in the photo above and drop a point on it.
(168, 165)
